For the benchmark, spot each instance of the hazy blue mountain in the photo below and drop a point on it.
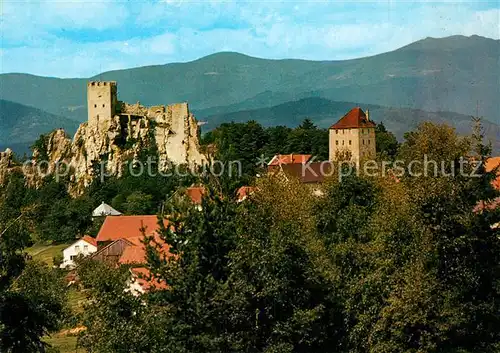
(20, 125)
(325, 113)
(447, 74)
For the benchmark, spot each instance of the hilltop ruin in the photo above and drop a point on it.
(117, 132)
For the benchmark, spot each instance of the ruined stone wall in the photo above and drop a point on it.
(115, 133)
(101, 102)
(175, 134)
(5, 163)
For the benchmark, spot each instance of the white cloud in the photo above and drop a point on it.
(188, 30)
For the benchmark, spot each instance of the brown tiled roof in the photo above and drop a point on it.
(146, 281)
(136, 252)
(195, 193)
(491, 205)
(244, 192)
(116, 227)
(281, 159)
(355, 118)
(492, 163)
(90, 240)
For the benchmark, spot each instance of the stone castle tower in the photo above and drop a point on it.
(353, 137)
(102, 102)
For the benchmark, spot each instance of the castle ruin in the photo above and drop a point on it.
(176, 129)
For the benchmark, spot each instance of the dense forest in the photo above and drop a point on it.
(374, 264)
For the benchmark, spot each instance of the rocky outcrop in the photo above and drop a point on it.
(106, 146)
(5, 163)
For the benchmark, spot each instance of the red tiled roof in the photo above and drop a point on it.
(116, 227)
(313, 173)
(146, 281)
(195, 193)
(482, 205)
(90, 240)
(355, 118)
(136, 253)
(492, 163)
(244, 192)
(280, 159)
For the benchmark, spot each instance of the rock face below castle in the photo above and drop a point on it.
(5, 164)
(170, 131)
(115, 134)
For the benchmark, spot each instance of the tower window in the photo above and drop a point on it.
(363, 142)
(337, 132)
(368, 141)
(95, 105)
(337, 142)
(342, 142)
(349, 142)
(103, 105)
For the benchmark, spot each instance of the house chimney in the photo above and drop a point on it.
(367, 115)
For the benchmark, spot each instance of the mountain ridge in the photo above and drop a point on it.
(455, 74)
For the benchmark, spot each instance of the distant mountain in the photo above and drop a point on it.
(325, 112)
(447, 74)
(20, 125)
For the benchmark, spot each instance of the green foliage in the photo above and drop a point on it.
(138, 203)
(40, 146)
(248, 142)
(31, 306)
(386, 142)
(375, 264)
(115, 320)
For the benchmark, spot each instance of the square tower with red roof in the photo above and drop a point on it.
(353, 137)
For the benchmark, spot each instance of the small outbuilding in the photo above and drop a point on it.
(104, 210)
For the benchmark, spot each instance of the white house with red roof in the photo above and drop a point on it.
(84, 246)
(121, 242)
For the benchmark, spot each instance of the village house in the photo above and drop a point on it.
(120, 241)
(82, 247)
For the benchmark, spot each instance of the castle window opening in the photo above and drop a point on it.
(369, 141)
(363, 142)
(95, 105)
(337, 132)
(337, 142)
(343, 142)
(103, 105)
(349, 142)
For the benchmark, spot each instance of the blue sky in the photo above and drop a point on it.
(80, 38)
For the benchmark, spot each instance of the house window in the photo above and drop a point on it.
(77, 248)
(72, 257)
(85, 248)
